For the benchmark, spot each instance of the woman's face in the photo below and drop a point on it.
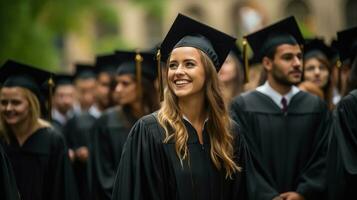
(229, 71)
(316, 72)
(14, 107)
(186, 73)
(125, 89)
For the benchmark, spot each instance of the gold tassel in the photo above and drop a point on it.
(245, 60)
(159, 71)
(138, 61)
(51, 84)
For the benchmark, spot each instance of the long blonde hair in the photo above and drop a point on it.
(34, 114)
(218, 126)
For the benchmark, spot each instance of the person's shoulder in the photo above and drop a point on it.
(149, 126)
(349, 101)
(306, 102)
(245, 98)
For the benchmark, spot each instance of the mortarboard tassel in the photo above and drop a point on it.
(51, 84)
(245, 60)
(158, 58)
(138, 61)
(339, 81)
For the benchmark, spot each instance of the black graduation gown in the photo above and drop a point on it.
(41, 166)
(109, 134)
(150, 169)
(77, 134)
(291, 146)
(342, 155)
(8, 188)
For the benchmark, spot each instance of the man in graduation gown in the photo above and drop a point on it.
(284, 127)
(63, 100)
(78, 128)
(342, 153)
(8, 188)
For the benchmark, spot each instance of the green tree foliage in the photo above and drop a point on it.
(31, 28)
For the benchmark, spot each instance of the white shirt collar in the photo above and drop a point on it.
(62, 119)
(94, 111)
(185, 118)
(276, 96)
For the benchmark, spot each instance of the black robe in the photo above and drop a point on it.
(291, 147)
(77, 134)
(150, 169)
(8, 188)
(109, 134)
(342, 155)
(41, 166)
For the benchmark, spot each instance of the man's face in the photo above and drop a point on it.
(286, 66)
(63, 98)
(85, 89)
(103, 89)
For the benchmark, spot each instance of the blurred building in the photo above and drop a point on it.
(140, 27)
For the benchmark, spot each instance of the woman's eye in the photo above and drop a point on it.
(172, 65)
(190, 64)
(3, 102)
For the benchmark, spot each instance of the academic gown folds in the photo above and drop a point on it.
(41, 166)
(150, 169)
(109, 134)
(290, 146)
(342, 155)
(77, 134)
(8, 188)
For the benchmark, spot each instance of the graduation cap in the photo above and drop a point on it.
(187, 32)
(62, 79)
(285, 31)
(317, 46)
(140, 64)
(16, 74)
(106, 63)
(84, 71)
(347, 44)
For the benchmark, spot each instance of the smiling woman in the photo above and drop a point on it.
(36, 152)
(190, 148)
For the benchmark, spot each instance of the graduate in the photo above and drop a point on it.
(136, 97)
(189, 149)
(37, 152)
(85, 84)
(62, 101)
(342, 154)
(8, 188)
(105, 68)
(284, 127)
(94, 91)
(232, 75)
(318, 69)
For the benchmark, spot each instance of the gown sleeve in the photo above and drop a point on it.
(63, 183)
(8, 188)
(103, 171)
(142, 172)
(257, 179)
(312, 182)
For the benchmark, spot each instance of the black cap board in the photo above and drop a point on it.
(127, 63)
(106, 63)
(347, 44)
(84, 71)
(317, 46)
(285, 31)
(187, 32)
(16, 74)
